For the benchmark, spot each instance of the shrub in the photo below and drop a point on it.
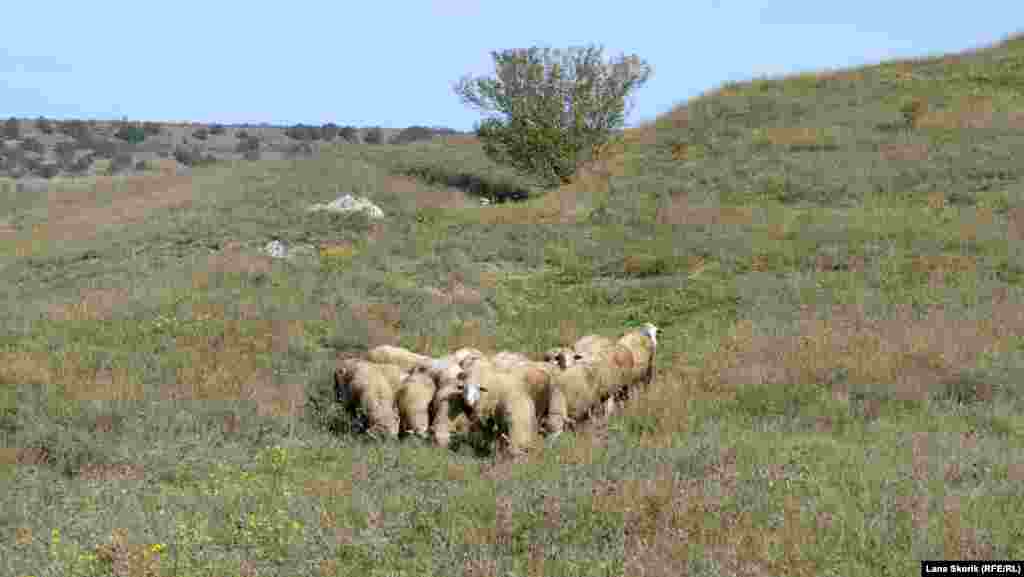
(303, 132)
(241, 135)
(349, 133)
(32, 145)
(329, 131)
(141, 165)
(217, 129)
(82, 164)
(192, 156)
(201, 133)
(151, 128)
(248, 144)
(129, 132)
(557, 106)
(103, 148)
(120, 163)
(11, 128)
(76, 129)
(412, 134)
(251, 155)
(65, 153)
(912, 110)
(44, 125)
(374, 135)
(48, 170)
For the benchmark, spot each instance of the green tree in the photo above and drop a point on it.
(553, 106)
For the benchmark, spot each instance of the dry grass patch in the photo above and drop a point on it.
(221, 364)
(456, 292)
(664, 517)
(915, 356)
(904, 152)
(92, 304)
(426, 197)
(970, 112)
(677, 210)
(795, 138)
(74, 216)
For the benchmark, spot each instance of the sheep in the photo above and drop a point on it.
(415, 396)
(388, 354)
(512, 396)
(582, 386)
(369, 389)
(643, 344)
(507, 359)
(561, 357)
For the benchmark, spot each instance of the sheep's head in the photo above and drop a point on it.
(563, 357)
(651, 331)
(469, 390)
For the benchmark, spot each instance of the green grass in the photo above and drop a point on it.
(839, 286)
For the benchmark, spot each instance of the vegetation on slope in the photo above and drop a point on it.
(835, 268)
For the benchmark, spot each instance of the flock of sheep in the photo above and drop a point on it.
(395, 389)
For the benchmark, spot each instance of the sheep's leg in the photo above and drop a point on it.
(442, 424)
(558, 413)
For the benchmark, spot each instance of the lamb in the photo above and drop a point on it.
(643, 344)
(368, 390)
(388, 354)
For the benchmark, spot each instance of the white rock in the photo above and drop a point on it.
(349, 203)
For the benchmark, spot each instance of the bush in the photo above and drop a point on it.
(83, 164)
(120, 163)
(192, 156)
(217, 129)
(249, 144)
(32, 145)
(412, 134)
(329, 131)
(152, 128)
(11, 128)
(102, 147)
(349, 133)
(44, 125)
(65, 153)
(374, 136)
(48, 170)
(303, 132)
(242, 135)
(557, 106)
(132, 133)
(201, 133)
(76, 129)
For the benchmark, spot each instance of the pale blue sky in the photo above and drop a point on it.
(392, 63)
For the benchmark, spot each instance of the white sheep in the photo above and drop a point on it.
(369, 390)
(643, 344)
(508, 359)
(482, 391)
(416, 393)
(388, 354)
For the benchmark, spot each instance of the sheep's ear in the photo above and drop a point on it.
(577, 357)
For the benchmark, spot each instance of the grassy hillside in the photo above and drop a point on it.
(837, 272)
